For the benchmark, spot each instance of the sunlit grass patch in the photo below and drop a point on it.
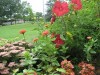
(11, 32)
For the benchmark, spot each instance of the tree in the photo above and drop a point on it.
(13, 9)
(48, 15)
(27, 13)
(8, 8)
(38, 15)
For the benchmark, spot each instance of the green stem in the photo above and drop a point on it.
(24, 37)
(65, 27)
(98, 8)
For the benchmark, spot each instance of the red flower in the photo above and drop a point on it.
(53, 19)
(52, 35)
(35, 73)
(77, 5)
(46, 32)
(22, 31)
(58, 41)
(60, 8)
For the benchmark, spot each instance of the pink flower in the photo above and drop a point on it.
(3, 53)
(12, 64)
(66, 65)
(2, 66)
(58, 41)
(6, 55)
(2, 49)
(72, 73)
(60, 8)
(86, 69)
(90, 67)
(82, 64)
(15, 51)
(77, 5)
(5, 71)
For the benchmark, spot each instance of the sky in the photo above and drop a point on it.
(37, 5)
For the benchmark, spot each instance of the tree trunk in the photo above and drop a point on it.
(24, 20)
(1, 23)
(11, 22)
(15, 21)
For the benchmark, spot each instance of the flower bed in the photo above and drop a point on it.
(64, 46)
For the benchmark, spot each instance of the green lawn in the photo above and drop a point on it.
(11, 32)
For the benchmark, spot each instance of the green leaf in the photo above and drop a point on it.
(61, 70)
(89, 57)
(50, 69)
(35, 59)
(15, 70)
(27, 55)
(20, 74)
(54, 74)
(25, 70)
(93, 52)
(39, 47)
(29, 70)
(38, 69)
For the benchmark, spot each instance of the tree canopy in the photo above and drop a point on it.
(14, 9)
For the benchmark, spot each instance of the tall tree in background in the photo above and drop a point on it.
(49, 9)
(27, 13)
(38, 15)
(30, 14)
(13, 9)
(8, 8)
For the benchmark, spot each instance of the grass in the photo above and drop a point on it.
(11, 32)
